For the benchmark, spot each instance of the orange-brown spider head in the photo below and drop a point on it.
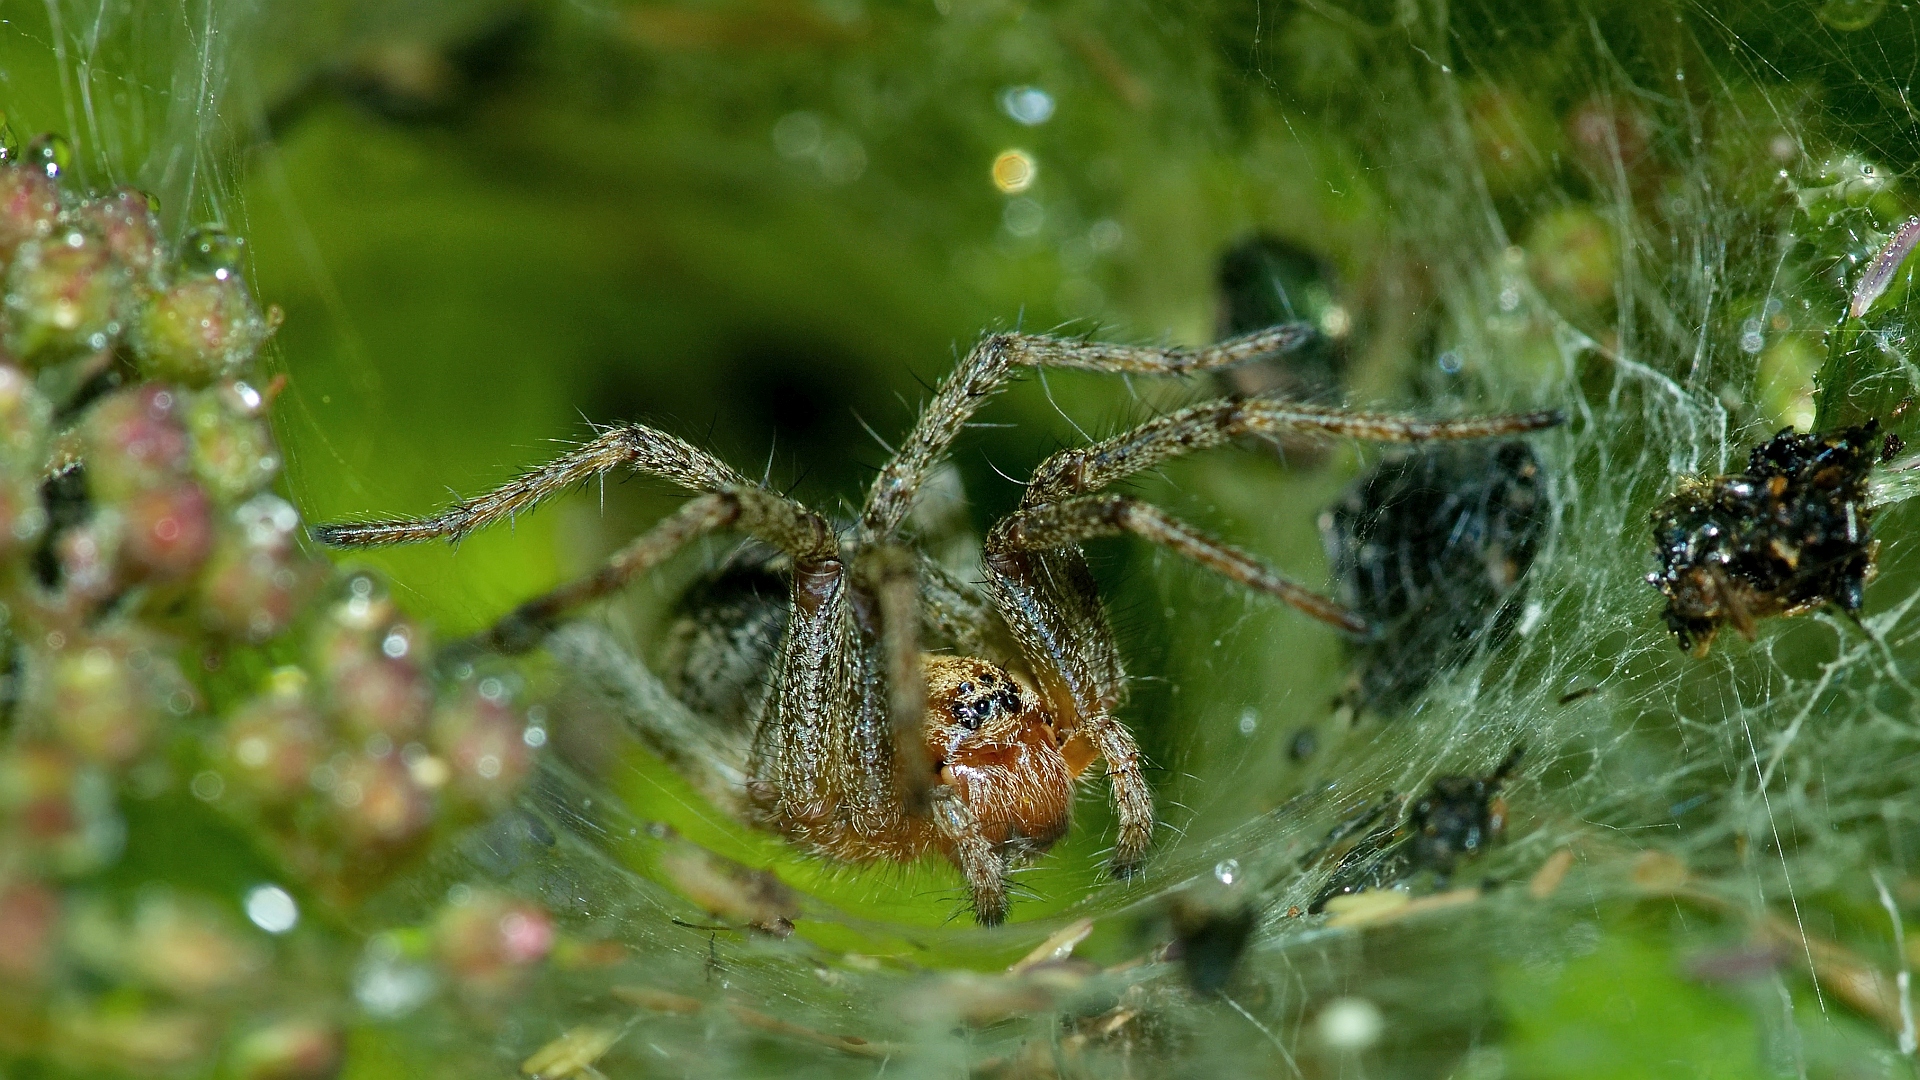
(991, 738)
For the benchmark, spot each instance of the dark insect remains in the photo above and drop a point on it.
(1209, 935)
(1789, 534)
(886, 707)
(1432, 548)
(1263, 281)
(1458, 818)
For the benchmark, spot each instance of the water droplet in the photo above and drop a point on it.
(9, 142)
(387, 987)
(1350, 1024)
(1851, 14)
(797, 135)
(1249, 720)
(1027, 105)
(270, 908)
(207, 786)
(842, 159)
(1227, 870)
(1014, 171)
(51, 153)
(212, 251)
(1023, 217)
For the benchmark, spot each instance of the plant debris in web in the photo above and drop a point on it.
(1432, 549)
(1789, 534)
(1458, 818)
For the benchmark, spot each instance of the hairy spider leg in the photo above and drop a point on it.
(1056, 525)
(985, 871)
(888, 573)
(990, 366)
(712, 757)
(817, 711)
(1050, 516)
(754, 511)
(1059, 510)
(635, 447)
(820, 631)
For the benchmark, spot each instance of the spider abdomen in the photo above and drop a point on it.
(719, 655)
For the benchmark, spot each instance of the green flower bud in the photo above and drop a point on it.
(377, 802)
(25, 419)
(199, 329)
(189, 948)
(233, 452)
(60, 810)
(258, 578)
(295, 1049)
(22, 517)
(101, 706)
(63, 293)
(273, 742)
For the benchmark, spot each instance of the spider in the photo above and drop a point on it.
(907, 711)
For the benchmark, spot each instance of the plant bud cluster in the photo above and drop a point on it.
(175, 658)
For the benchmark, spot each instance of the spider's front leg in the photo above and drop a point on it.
(1049, 601)
(1132, 798)
(985, 871)
(888, 573)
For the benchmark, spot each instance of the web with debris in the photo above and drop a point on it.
(1654, 217)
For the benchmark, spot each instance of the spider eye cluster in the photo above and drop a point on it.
(976, 704)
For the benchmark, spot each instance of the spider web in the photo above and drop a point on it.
(1648, 215)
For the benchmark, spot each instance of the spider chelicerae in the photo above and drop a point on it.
(905, 710)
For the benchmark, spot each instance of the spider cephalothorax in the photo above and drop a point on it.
(886, 708)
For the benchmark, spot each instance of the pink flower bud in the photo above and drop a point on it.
(29, 203)
(134, 441)
(483, 741)
(489, 940)
(377, 802)
(125, 222)
(257, 578)
(29, 916)
(169, 531)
